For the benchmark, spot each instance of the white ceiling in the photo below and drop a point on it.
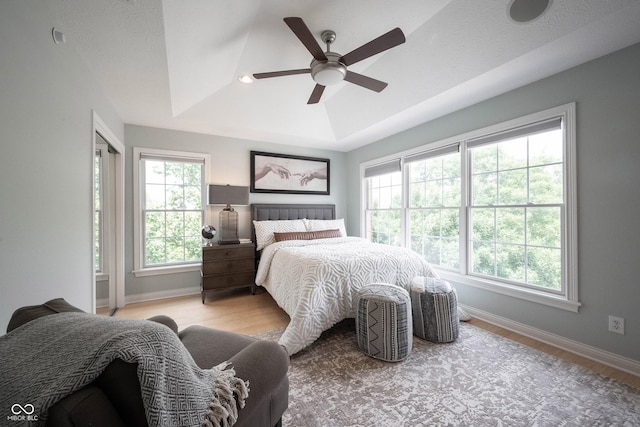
(175, 63)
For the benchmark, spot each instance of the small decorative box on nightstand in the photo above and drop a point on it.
(228, 267)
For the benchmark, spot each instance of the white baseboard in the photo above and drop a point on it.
(606, 358)
(152, 296)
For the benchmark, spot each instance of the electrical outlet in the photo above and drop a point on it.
(616, 324)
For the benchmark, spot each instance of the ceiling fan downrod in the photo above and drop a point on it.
(331, 71)
(328, 37)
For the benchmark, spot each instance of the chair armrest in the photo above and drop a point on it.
(265, 365)
(165, 320)
(29, 313)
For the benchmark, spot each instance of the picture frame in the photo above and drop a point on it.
(288, 174)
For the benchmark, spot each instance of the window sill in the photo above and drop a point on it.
(156, 271)
(521, 293)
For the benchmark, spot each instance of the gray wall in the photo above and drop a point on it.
(607, 95)
(46, 162)
(229, 165)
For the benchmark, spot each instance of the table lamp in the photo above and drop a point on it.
(228, 195)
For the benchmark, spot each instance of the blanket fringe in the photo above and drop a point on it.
(223, 410)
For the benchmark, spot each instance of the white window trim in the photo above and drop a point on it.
(138, 269)
(569, 300)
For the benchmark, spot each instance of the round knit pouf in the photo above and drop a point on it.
(434, 304)
(383, 321)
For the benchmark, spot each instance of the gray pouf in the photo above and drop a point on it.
(434, 304)
(383, 321)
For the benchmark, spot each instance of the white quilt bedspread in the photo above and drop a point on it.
(315, 281)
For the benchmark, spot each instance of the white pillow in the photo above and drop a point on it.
(265, 230)
(326, 224)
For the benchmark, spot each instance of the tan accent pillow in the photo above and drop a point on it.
(293, 235)
(326, 234)
(307, 235)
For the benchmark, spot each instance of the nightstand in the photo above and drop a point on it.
(228, 267)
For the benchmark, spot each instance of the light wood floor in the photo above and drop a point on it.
(241, 312)
(235, 311)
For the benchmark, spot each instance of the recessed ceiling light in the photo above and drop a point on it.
(527, 10)
(246, 79)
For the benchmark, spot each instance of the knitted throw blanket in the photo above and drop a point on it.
(49, 358)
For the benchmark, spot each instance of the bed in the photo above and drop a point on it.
(314, 278)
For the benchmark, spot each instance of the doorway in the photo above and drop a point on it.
(108, 218)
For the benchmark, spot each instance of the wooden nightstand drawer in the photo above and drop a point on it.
(227, 252)
(227, 281)
(228, 266)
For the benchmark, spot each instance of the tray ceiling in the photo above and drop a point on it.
(175, 64)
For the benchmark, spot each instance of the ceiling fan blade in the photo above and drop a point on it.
(364, 81)
(386, 41)
(301, 30)
(316, 94)
(281, 73)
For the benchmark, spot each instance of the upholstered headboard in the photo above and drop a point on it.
(266, 212)
(272, 211)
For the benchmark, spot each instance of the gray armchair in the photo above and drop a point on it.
(114, 398)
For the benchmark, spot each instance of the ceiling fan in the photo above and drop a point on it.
(328, 68)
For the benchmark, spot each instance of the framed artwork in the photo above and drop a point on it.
(282, 173)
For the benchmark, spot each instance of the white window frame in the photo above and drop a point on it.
(138, 229)
(567, 300)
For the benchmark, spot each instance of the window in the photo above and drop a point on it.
(170, 209)
(102, 174)
(98, 212)
(434, 180)
(384, 203)
(494, 208)
(515, 209)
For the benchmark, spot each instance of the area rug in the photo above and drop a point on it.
(481, 379)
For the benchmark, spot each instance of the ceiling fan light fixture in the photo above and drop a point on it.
(246, 79)
(328, 73)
